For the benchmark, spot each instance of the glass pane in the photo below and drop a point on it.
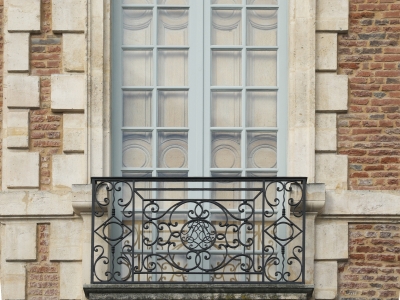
(262, 27)
(173, 150)
(136, 150)
(173, 2)
(225, 150)
(262, 2)
(172, 67)
(172, 108)
(261, 150)
(226, 27)
(137, 67)
(228, 2)
(137, 26)
(175, 192)
(173, 27)
(271, 190)
(141, 185)
(138, 1)
(261, 68)
(137, 109)
(226, 109)
(226, 68)
(261, 109)
(231, 194)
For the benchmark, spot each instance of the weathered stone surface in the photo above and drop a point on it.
(74, 52)
(331, 169)
(70, 280)
(13, 280)
(21, 91)
(332, 15)
(198, 291)
(334, 234)
(331, 92)
(17, 52)
(66, 245)
(68, 92)
(23, 15)
(69, 170)
(20, 241)
(74, 132)
(326, 52)
(325, 132)
(21, 169)
(69, 16)
(18, 129)
(325, 280)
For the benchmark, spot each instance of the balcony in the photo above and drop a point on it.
(246, 230)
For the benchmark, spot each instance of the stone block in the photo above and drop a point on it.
(21, 242)
(23, 15)
(14, 281)
(66, 240)
(326, 51)
(331, 92)
(331, 240)
(17, 52)
(331, 169)
(325, 132)
(18, 129)
(69, 16)
(21, 91)
(74, 133)
(74, 52)
(70, 286)
(68, 92)
(21, 169)
(68, 170)
(332, 15)
(325, 280)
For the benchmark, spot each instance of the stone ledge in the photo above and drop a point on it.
(198, 291)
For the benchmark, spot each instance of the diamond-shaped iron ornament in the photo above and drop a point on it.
(286, 232)
(116, 238)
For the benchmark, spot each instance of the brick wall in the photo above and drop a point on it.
(45, 125)
(370, 54)
(43, 276)
(373, 268)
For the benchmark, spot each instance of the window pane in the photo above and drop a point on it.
(137, 27)
(226, 68)
(172, 108)
(261, 150)
(262, 2)
(261, 109)
(173, 27)
(136, 150)
(173, 2)
(137, 67)
(225, 150)
(138, 1)
(137, 109)
(226, 109)
(228, 2)
(226, 27)
(262, 27)
(261, 68)
(173, 150)
(172, 67)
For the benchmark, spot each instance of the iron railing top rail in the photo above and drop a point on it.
(137, 238)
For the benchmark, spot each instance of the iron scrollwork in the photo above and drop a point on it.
(145, 231)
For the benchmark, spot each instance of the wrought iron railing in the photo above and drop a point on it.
(244, 229)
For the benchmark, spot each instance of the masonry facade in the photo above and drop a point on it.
(343, 136)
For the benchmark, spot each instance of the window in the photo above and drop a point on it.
(199, 87)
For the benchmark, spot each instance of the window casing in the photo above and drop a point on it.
(199, 87)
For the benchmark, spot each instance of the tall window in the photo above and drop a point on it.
(199, 87)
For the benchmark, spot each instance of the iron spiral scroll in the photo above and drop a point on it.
(150, 230)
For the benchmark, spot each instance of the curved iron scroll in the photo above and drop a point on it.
(207, 229)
